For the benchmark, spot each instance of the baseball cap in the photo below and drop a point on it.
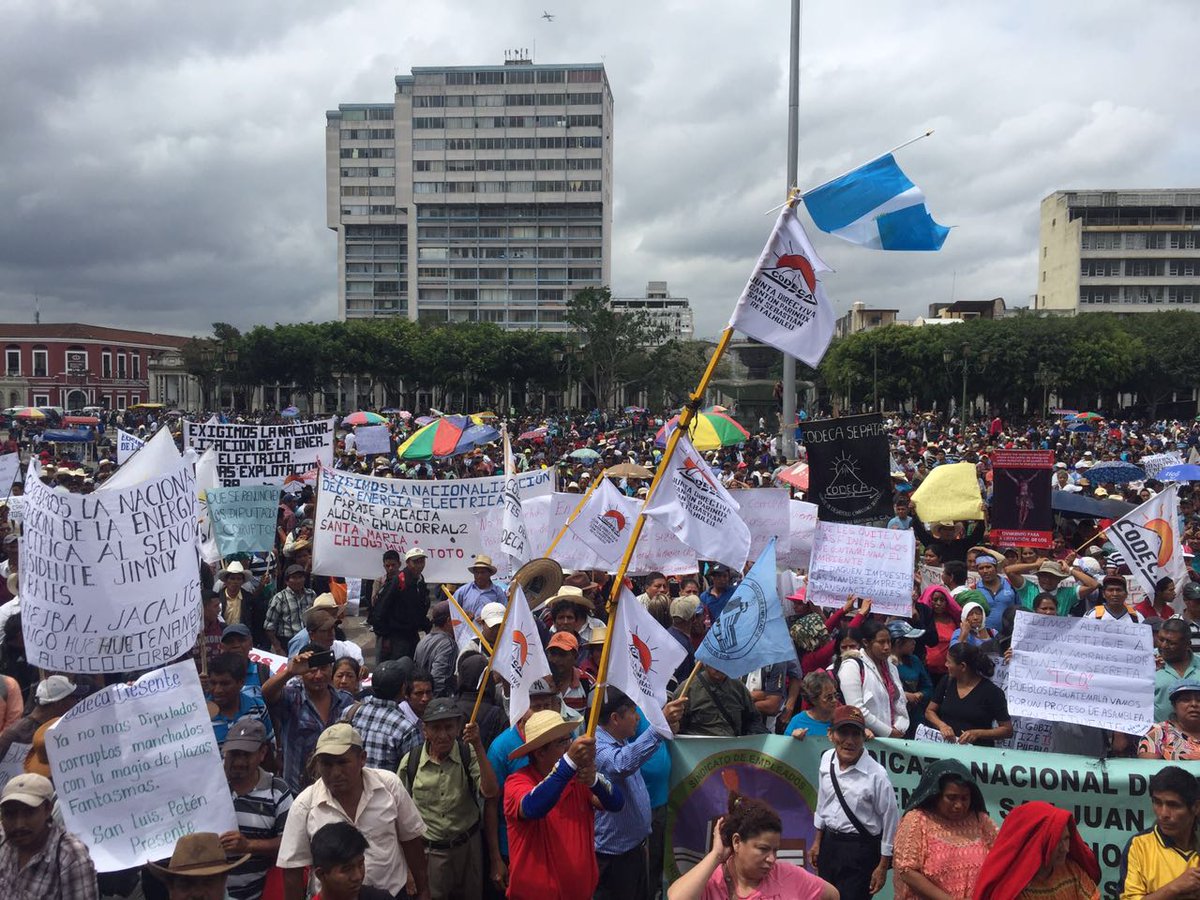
(902, 630)
(294, 570)
(247, 733)
(441, 709)
(414, 553)
(541, 687)
(492, 614)
(563, 640)
(337, 739)
(29, 789)
(53, 689)
(234, 630)
(684, 607)
(848, 715)
(1182, 687)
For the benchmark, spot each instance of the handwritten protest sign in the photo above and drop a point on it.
(109, 581)
(13, 762)
(243, 518)
(870, 562)
(932, 575)
(262, 454)
(372, 439)
(127, 445)
(10, 464)
(765, 512)
(136, 767)
(802, 526)
(1156, 462)
(1088, 671)
(359, 517)
(16, 509)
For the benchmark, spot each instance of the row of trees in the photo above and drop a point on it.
(461, 363)
(1016, 363)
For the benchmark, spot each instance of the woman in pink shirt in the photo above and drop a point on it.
(742, 862)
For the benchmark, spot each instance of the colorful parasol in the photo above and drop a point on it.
(584, 454)
(708, 431)
(796, 476)
(364, 418)
(29, 412)
(447, 436)
(534, 434)
(1086, 417)
(291, 412)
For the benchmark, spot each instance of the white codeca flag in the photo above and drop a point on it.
(692, 503)
(643, 658)
(1148, 538)
(784, 303)
(605, 522)
(206, 478)
(514, 538)
(518, 657)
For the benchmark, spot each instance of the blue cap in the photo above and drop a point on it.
(1184, 687)
(235, 629)
(900, 630)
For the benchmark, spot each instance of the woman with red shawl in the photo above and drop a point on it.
(1039, 855)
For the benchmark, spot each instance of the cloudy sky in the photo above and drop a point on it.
(162, 163)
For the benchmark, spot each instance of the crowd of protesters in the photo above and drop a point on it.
(370, 773)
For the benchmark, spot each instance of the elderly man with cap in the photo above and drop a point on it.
(1049, 578)
(54, 696)
(447, 777)
(572, 683)
(548, 807)
(373, 801)
(856, 815)
(320, 627)
(437, 651)
(475, 594)
(198, 869)
(386, 732)
(38, 858)
(285, 613)
(260, 802)
(399, 612)
(1179, 664)
(684, 609)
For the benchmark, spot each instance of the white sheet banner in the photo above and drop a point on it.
(869, 562)
(1088, 671)
(110, 582)
(372, 439)
(136, 767)
(262, 454)
(127, 445)
(10, 464)
(802, 529)
(359, 517)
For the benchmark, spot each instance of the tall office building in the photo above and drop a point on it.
(481, 193)
(1119, 251)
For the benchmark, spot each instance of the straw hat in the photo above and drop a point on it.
(539, 579)
(542, 728)
(571, 594)
(197, 856)
(482, 561)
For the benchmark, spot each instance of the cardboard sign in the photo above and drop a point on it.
(262, 454)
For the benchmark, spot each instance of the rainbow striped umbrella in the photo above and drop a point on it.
(708, 431)
(364, 418)
(447, 436)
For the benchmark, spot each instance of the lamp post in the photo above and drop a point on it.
(965, 363)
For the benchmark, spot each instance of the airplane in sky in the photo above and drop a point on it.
(549, 17)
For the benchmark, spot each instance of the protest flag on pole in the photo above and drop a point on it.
(464, 626)
(751, 631)
(206, 480)
(514, 538)
(605, 521)
(1148, 538)
(518, 655)
(693, 504)
(646, 658)
(784, 303)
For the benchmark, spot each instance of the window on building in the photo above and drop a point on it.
(41, 399)
(41, 363)
(106, 364)
(120, 398)
(122, 366)
(12, 360)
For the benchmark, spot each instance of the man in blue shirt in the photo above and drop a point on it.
(621, 835)
(476, 594)
(902, 521)
(720, 590)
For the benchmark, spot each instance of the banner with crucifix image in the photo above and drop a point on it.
(1021, 512)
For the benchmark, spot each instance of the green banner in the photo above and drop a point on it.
(1107, 797)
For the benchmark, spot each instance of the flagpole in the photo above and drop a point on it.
(487, 672)
(787, 412)
(466, 618)
(685, 418)
(574, 514)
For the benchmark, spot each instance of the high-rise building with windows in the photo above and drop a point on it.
(1119, 251)
(481, 193)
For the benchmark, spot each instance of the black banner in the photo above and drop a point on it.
(849, 475)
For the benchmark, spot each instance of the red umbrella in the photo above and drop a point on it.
(796, 475)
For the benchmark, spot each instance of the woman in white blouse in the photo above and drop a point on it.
(870, 681)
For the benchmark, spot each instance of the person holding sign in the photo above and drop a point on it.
(966, 702)
(38, 858)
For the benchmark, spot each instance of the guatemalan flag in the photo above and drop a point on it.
(876, 206)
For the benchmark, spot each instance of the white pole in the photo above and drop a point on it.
(787, 430)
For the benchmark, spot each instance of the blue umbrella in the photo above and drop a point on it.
(1080, 428)
(586, 454)
(1114, 472)
(1181, 472)
(291, 412)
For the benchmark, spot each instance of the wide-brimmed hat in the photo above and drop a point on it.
(324, 601)
(1050, 567)
(37, 761)
(570, 594)
(599, 633)
(482, 561)
(542, 728)
(234, 568)
(198, 856)
(580, 578)
(538, 578)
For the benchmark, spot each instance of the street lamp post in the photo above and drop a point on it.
(965, 363)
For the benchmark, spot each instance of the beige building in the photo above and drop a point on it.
(674, 314)
(1119, 251)
(480, 193)
(862, 318)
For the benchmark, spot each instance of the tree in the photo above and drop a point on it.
(675, 370)
(613, 346)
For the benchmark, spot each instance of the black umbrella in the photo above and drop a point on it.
(1083, 506)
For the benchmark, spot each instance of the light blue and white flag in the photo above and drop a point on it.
(876, 206)
(751, 632)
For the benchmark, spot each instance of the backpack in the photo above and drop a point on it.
(862, 675)
(414, 762)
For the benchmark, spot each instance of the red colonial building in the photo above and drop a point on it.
(73, 365)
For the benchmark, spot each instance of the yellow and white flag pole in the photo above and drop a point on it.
(468, 620)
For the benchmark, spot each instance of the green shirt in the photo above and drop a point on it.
(1065, 597)
(441, 792)
(720, 710)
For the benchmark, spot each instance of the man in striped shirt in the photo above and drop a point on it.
(261, 802)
